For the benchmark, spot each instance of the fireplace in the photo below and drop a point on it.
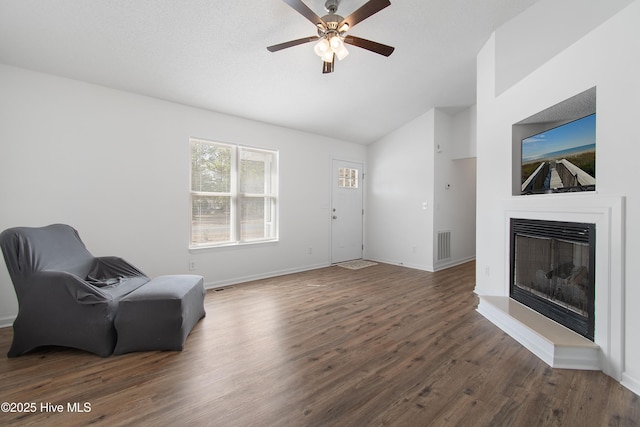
(553, 271)
(603, 219)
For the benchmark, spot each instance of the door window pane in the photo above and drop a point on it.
(347, 178)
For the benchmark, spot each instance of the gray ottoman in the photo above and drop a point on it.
(160, 314)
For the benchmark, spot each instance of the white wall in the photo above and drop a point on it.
(544, 30)
(408, 201)
(463, 134)
(115, 166)
(399, 181)
(454, 182)
(608, 58)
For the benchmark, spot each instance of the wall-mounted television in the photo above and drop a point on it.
(560, 159)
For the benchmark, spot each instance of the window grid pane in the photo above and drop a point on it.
(254, 222)
(210, 168)
(347, 178)
(210, 219)
(254, 171)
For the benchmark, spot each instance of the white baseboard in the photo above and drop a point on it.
(6, 322)
(453, 263)
(401, 264)
(268, 275)
(631, 383)
(429, 268)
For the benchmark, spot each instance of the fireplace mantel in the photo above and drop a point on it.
(607, 213)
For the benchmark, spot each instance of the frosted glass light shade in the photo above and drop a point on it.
(341, 52)
(335, 42)
(322, 47)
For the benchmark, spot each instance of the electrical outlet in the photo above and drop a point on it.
(192, 265)
(310, 250)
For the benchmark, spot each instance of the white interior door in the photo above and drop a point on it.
(346, 211)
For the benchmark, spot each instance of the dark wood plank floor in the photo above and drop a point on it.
(381, 346)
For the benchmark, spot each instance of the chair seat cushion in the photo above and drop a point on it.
(159, 315)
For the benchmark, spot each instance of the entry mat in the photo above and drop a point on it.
(356, 264)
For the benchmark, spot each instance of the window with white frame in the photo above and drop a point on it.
(234, 194)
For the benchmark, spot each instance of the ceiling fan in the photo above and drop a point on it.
(332, 31)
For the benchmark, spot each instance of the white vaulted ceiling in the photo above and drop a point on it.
(212, 54)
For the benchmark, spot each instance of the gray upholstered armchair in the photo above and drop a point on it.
(66, 296)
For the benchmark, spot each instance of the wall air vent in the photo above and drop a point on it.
(444, 245)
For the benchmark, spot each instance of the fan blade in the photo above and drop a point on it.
(368, 9)
(376, 47)
(304, 10)
(277, 47)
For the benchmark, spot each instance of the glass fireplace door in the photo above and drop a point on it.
(552, 272)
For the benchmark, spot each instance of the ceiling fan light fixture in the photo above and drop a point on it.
(335, 42)
(328, 56)
(322, 47)
(326, 48)
(329, 46)
(332, 31)
(341, 52)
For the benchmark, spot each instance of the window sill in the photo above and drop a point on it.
(197, 249)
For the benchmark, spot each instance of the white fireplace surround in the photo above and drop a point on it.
(607, 213)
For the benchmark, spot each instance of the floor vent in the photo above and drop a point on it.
(444, 245)
(222, 289)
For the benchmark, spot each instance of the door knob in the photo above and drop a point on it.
(335, 217)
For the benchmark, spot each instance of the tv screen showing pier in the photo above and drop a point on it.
(561, 159)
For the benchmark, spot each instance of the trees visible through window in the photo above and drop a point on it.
(233, 194)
